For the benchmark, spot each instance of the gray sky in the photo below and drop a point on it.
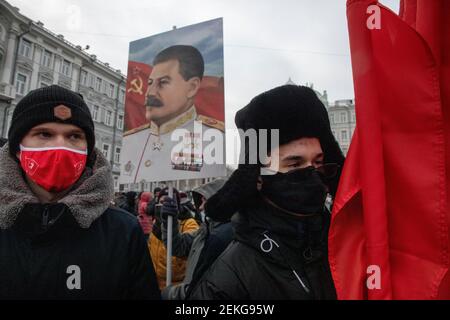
(265, 41)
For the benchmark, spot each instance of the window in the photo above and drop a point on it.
(21, 83)
(98, 84)
(353, 116)
(95, 112)
(84, 78)
(105, 150)
(108, 118)
(46, 58)
(65, 84)
(344, 136)
(91, 79)
(343, 117)
(9, 120)
(2, 33)
(332, 118)
(66, 68)
(111, 90)
(122, 96)
(117, 155)
(45, 83)
(120, 122)
(116, 182)
(25, 48)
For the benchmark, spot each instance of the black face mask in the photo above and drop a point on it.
(300, 192)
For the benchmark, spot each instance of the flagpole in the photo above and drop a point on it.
(169, 245)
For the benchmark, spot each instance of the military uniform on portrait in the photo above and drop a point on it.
(157, 152)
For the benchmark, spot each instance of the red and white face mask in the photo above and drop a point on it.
(55, 168)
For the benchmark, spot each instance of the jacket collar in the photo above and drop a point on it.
(258, 219)
(189, 115)
(87, 201)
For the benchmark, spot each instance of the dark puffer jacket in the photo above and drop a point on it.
(77, 248)
(272, 257)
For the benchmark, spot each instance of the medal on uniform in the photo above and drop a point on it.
(157, 145)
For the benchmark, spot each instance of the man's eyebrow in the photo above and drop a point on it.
(299, 158)
(41, 128)
(79, 131)
(293, 158)
(160, 78)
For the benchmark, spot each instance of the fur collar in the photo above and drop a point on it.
(87, 201)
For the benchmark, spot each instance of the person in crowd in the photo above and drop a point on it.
(152, 203)
(186, 224)
(201, 247)
(188, 207)
(59, 237)
(145, 220)
(130, 202)
(281, 224)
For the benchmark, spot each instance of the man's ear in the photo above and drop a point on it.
(194, 85)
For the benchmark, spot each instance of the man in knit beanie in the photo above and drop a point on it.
(59, 239)
(279, 251)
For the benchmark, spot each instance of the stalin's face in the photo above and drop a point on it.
(169, 94)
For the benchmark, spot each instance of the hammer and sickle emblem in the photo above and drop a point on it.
(136, 86)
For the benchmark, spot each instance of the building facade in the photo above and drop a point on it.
(343, 122)
(32, 57)
(342, 117)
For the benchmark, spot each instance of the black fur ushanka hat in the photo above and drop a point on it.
(298, 113)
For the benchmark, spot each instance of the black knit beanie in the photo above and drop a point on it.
(51, 104)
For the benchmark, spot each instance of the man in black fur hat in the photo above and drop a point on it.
(281, 228)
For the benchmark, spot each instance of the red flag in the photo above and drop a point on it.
(389, 237)
(137, 84)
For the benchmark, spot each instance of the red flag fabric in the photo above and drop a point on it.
(209, 100)
(137, 84)
(389, 236)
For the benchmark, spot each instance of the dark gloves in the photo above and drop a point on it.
(169, 208)
(236, 193)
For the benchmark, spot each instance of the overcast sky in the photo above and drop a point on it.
(265, 41)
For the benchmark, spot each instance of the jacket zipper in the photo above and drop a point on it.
(301, 282)
(45, 215)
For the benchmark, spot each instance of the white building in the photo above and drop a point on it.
(32, 57)
(342, 117)
(343, 122)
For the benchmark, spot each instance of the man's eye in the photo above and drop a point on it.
(75, 137)
(163, 83)
(44, 135)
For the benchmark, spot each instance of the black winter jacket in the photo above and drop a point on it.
(273, 257)
(77, 248)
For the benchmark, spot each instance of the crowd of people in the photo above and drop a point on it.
(252, 236)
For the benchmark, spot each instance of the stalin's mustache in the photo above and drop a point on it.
(154, 102)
